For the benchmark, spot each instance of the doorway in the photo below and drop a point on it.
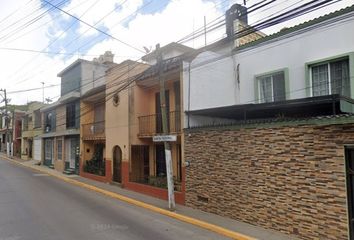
(349, 160)
(160, 160)
(72, 152)
(48, 152)
(117, 164)
(30, 148)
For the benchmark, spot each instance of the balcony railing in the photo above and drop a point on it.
(151, 125)
(93, 131)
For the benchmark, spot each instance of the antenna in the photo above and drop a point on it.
(42, 92)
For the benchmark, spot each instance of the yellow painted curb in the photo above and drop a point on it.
(183, 218)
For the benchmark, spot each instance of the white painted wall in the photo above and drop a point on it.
(212, 82)
(215, 84)
(293, 53)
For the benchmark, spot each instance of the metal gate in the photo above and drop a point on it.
(349, 157)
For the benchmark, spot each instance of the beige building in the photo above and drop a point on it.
(120, 111)
(133, 117)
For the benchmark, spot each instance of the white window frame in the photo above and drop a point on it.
(328, 75)
(271, 75)
(328, 63)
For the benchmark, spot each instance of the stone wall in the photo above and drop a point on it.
(289, 179)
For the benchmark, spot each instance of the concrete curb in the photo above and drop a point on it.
(180, 217)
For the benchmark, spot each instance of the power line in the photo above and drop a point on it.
(70, 26)
(140, 8)
(127, 44)
(30, 22)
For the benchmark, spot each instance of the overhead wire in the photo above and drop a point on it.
(123, 88)
(99, 30)
(140, 8)
(127, 85)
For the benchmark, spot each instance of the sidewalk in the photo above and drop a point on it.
(233, 225)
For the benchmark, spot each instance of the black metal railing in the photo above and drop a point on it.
(152, 124)
(93, 130)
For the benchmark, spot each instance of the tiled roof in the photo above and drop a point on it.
(317, 120)
(298, 27)
(167, 65)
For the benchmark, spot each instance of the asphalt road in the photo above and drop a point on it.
(35, 206)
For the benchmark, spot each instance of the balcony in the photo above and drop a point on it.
(151, 125)
(94, 131)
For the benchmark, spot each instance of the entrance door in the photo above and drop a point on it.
(48, 154)
(117, 164)
(160, 161)
(72, 153)
(30, 148)
(37, 149)
(349, 157)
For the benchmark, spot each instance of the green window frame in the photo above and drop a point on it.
(272, 86)
(327, 67)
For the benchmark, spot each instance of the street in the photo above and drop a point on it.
(37, 206)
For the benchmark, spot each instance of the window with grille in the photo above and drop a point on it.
(330, 78)
(271, 87)
(70, 115)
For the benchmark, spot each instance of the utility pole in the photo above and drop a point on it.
(205, 39)
(42, 91)
(6, 123)
(168, 156)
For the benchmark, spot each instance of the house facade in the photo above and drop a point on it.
(31, 143)
(120, 82)
(11, 130)
(62, 119)
(93, 163)
(269, 130)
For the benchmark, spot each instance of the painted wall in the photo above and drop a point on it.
(91, 73)
(70, 80)
(293, 53)
(215, 83)
(117, 117)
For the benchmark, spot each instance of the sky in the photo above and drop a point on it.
(27, 26)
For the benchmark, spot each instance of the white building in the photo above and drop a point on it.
(313, 59)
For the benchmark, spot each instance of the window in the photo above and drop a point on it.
(37, 119)
(271, 87)
(70, 115)
(49, 121)
(330, 78)
(59, 149)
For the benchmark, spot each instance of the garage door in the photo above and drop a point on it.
(37, 149)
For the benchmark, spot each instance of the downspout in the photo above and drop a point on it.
(130, 89)
(189, 93)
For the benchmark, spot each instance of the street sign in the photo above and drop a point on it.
(164, 138)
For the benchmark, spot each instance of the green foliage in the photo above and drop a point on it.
(97, 165)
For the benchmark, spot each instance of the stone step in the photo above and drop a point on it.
(69, 171)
